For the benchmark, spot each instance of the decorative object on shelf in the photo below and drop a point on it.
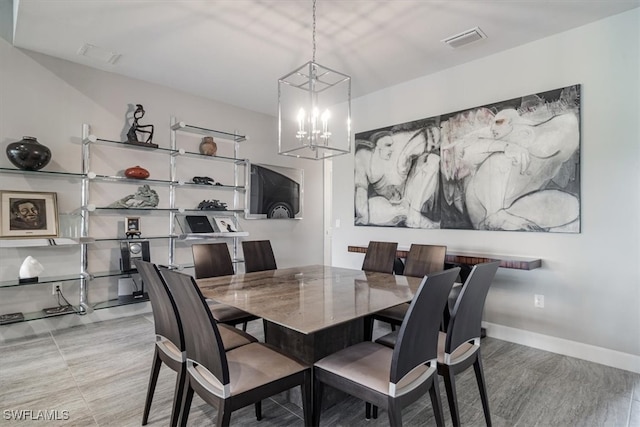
(137, 130)
(225, 224)
(308, 99)
(136, 172)
(28, 214)
(132, 227)
(28, 154)
(204, 180)
(212, 205)
(199, 224)
(5, 319)
(131, 250)
(208, 146)
(145, 197)
(30, 270)
(61, 309)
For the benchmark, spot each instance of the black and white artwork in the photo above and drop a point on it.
(276, 192)
(512, 165)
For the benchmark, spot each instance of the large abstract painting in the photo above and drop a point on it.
(512, 165)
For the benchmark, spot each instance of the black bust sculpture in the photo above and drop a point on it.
(136, 129)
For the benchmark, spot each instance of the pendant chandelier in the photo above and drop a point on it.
(314, 110)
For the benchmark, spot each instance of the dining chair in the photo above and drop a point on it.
(258, 256)
(421, 260)
(234, 379)
(170, 343)
(459, 347)
(393, 378)
(213, 260)
(380, 257)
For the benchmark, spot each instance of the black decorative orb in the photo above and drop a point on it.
(28, 154)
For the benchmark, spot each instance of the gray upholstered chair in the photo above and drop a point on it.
(459, 348)
(234, 379)
(380, 257)
(393, 378)
(421, 260)
(213, 260)
(258, 256)
(170, 345)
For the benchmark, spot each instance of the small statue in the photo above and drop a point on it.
(212, 205)
(30, 270)
(145, 197)
(208, 146)
(202, 180)
(136, 128)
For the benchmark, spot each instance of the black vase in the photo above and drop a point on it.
(28, 154)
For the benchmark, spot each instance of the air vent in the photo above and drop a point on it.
(98, 53)
(465, 37)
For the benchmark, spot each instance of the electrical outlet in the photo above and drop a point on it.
(55, 287)
(538, 301)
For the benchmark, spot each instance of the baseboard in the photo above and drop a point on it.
(603, 356)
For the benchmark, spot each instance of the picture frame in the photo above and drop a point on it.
(28, 214)
(225, 224)
(276, 192)
(132, 226)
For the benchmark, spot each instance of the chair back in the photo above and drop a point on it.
(417, 341)
(424, 259)
(212, 260)
(202, 338)
(380, 257)
(258, 256)
(165, 313)
(466, 317)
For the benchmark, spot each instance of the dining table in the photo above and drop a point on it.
(311, 311)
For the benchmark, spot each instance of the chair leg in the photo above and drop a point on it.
(187, 397)
(307, 398)
(258, 406)
(153, 379)
(450, 386)
(436, 402)
(395, 413)
(367, 411)
(224, 414)
(177, 395)
(244, 326)
(318, 388)
(482, 387)
(368, 328)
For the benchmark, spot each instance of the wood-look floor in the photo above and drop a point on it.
(99, 373)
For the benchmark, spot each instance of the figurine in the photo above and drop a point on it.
(212, 205)
(136, 128)
(30, 270)
(202, 180)
(145, 197)
(208, 146)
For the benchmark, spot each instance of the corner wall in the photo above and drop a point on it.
(591, 281)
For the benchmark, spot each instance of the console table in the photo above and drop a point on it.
(454, 257)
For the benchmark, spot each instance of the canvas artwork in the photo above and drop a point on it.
(28, 214)
(512, 165)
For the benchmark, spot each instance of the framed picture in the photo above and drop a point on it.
(225, 224)
(28, 214)
(276, 192)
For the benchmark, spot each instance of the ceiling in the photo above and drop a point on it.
(235, 50)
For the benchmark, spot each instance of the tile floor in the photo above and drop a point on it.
(97, 374)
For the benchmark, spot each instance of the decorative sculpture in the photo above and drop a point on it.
(145, 197)
(30, 270)
(28, 154)
(136, 172)
(212, 205)
(208, 146)
(136, 128)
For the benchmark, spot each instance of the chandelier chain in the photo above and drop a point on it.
(314, 31)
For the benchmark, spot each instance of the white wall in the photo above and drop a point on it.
(590, 281)
(50, 99)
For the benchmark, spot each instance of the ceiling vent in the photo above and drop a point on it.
(98, 53)
(464, 38)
